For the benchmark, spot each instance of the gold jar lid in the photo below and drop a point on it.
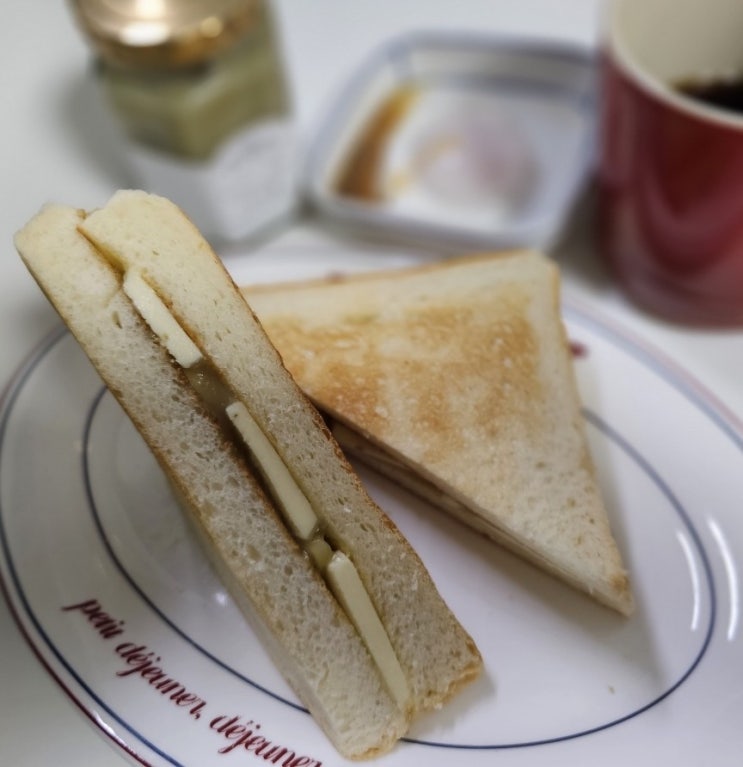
(163, 33)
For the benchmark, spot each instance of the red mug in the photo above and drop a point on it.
(671, 166)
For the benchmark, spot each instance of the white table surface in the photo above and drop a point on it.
(51, 151)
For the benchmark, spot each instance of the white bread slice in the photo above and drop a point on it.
(310, 637)
(456, 380)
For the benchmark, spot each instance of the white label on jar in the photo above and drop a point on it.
(247, 185)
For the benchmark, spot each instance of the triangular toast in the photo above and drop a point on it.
(456, 380)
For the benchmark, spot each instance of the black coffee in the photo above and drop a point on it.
(722, 93)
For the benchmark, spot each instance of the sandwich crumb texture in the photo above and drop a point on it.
(78, 261)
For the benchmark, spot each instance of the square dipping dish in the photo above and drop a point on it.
(459, 140)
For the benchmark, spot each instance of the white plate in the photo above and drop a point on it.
(86, 518)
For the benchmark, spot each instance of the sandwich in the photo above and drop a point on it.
(456, 380)
(344, 605)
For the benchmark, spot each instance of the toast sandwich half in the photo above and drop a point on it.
(343, 603)
(456, 380)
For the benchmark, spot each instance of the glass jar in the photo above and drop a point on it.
(200, 91)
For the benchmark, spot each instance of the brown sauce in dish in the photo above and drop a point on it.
(358, 176)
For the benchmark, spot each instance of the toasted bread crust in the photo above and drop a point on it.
(461, 372)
